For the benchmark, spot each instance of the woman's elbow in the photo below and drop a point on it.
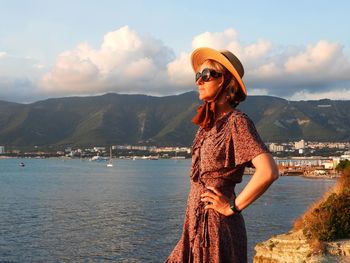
(272, 173)
(266, 166)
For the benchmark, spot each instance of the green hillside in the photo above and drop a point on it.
(140, 119)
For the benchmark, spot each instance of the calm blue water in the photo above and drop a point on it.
(56, 210)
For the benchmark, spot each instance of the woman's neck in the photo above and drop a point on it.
(222, 108)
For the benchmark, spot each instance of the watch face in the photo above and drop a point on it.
(232, 203)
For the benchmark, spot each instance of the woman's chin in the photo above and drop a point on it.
(202, 96)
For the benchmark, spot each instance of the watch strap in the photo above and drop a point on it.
(233, 207)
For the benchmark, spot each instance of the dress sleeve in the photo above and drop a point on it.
(246, 140)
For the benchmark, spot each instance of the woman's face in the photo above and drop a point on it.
(207, 90)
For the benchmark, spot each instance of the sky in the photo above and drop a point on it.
(297, 50)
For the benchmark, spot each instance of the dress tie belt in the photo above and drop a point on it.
(205, 230)
(202, 218)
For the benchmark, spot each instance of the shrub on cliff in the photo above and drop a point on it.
(329, 218)
(342, 165)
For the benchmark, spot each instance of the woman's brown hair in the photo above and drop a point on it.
(233, 93)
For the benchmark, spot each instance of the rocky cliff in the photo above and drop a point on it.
(293, 247)
(321, 234)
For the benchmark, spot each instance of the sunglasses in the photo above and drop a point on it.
(206, 74)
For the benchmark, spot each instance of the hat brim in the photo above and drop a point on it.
(202, 54)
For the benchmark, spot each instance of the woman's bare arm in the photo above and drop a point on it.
(266, 172)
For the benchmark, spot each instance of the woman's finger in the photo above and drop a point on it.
(208, 199)
(209, 194)
(216, 191)
(209, 206)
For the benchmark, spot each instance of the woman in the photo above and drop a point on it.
(226, 142)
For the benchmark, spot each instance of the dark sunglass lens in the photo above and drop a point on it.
(198, 75)
(205, 74)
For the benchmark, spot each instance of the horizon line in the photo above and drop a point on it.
(154, 96)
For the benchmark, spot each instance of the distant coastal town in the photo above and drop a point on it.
(301, 158)
(310, 159)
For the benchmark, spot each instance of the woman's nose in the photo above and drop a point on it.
(199, 81)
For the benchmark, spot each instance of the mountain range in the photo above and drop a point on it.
(140, 119)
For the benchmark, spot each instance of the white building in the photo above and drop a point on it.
(328, 164)
(2, 149)
(345, 156)
(299, 145)
(99, 149)
(273, 147)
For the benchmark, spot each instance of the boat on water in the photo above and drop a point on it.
(98, 158)
(109, 164)
(150, 157)
(21, 164)
(178, 158)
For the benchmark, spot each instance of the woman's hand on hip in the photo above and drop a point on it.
(216, 200)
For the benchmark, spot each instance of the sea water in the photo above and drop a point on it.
(57, 210)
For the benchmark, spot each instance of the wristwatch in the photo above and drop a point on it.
(233, 206)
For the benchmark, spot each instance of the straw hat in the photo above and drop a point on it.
(225, 58)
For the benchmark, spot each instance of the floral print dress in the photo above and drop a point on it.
(219, 156)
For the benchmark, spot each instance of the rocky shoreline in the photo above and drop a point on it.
(293, 247)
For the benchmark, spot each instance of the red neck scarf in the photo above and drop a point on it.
(205, 116)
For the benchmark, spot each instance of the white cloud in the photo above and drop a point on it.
(324, 56)
(180, 71)
(266, 71)
(336, 94)
(282, 71)
(125, 62)
(123, 39)
(229, 39)
(143, 69)
(259, 92)
(128, 62)
(217, 40)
